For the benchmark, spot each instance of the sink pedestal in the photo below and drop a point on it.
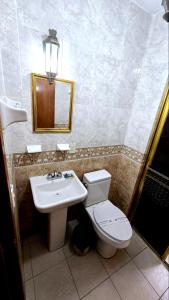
(57, 228)
(53, 197)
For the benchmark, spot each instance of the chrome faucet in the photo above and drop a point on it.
(54, 175)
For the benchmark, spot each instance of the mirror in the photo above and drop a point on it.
(52, 104)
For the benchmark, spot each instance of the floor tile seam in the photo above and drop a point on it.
(109, 276)
(31, 264)
(34, 289)
(67, 257)
(137, 253)
(126, 263)
(51, 267)
(67, 262)
(115, 288)
(141, 237)
(165, 292)
(25, 281)
(100, 260)
(154, 254)
(146, 279)
(96, 286)
(120, 267)
(30, 260)
(151, 249)
(129, 261)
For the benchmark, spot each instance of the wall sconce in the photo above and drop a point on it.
(165, 3)
(51, 49)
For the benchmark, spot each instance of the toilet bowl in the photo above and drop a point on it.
(110, 223)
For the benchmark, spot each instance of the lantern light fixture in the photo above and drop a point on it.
(165, 3)
(51, 50)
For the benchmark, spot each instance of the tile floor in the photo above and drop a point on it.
(132, 274)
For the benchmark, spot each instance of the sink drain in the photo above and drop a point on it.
(57, 194)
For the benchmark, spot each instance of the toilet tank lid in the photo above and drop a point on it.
(97, 176)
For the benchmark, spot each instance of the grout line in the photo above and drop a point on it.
(115, 288)
(30, 258)
(71, 253)
(130, 259)
(29, 246)
(164, 293)
(72, 276)
(154, 252)
(25, 281)
(34, 288)
(32, 270)
(99, 257)
(31, 278)
(109, 276)
(34, 276)
(66, 260)
(113, 282)
(22, 249)
(137, 253)
(145, 277)
(51, 267)
(94, 288)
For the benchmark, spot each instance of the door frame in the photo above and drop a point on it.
(10, 250)
(150, 152)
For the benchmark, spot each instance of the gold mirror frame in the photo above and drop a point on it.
(34, 106)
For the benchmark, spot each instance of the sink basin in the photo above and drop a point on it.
(58, 193)
(53, 197)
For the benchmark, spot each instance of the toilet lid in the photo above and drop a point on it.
(112, 221)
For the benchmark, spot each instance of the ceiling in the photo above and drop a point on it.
(151, 6)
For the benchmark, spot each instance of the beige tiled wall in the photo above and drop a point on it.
(124, 173)
(126, 177)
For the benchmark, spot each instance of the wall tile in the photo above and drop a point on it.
(148, 94)
(123, 170)
(108, 45)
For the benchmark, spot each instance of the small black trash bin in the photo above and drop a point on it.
(83, 238)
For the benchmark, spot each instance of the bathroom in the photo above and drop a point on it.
(114, 57)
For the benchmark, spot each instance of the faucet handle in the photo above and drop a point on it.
(58, 174)
(49, 176)
(54, 175)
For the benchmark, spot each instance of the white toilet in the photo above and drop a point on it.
(110, 223)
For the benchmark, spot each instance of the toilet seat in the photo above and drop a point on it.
(112, 221)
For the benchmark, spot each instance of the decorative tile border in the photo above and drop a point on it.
(26, 159)
(133, 154)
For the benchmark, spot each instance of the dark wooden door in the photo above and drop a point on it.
(45, 99)
(11, 284)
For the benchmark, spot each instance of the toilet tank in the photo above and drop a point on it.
(98, 185)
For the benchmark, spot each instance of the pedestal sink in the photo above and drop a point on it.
(53, 197)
